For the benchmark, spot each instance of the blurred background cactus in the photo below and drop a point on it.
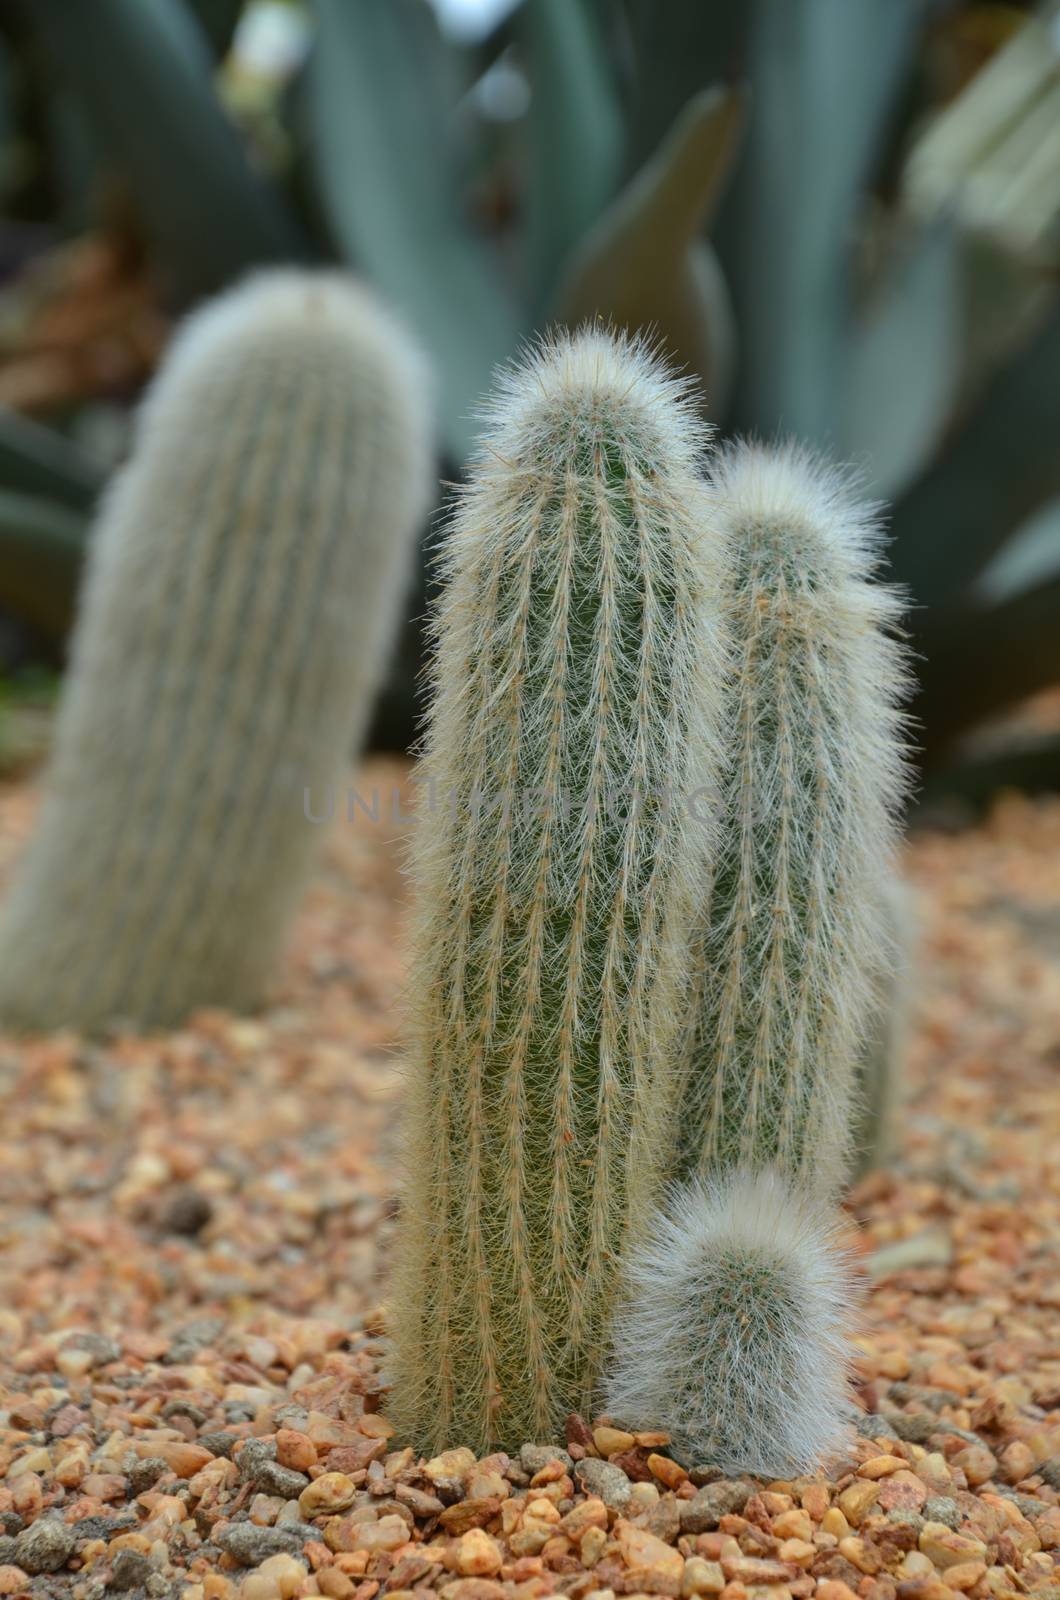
(843, 215)
(246, 572)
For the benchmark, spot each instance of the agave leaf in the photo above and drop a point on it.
(1028, 557)
(645, 266)
(576, 134)
(999, 464)
(38, 461)
(824, 77)
(677, 47)
(42, 549)
(913, 324)
(142, 72)
(382, 126)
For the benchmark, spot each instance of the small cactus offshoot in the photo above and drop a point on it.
(735, 1338)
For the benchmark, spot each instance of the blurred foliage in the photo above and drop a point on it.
(882, 203)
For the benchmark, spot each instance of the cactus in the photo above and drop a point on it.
(794, 927)
(879, 1066)
(577, 668)
(244, 579)
(794, 935)
(735, 1337)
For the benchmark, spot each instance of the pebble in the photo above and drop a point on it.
(330, 1493)
(131, 1570)
(612, 1441)
(45, 1546)
(477, 1555)
(604, 1480)
(939, 1508)
(711, 1503)
(533, 1458)
(250, 1544)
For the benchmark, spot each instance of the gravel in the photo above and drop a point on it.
(184, 1410)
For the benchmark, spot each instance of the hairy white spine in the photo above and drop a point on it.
(735, 1336)
(245, 579)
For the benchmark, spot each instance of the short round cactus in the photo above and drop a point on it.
(735, 1338)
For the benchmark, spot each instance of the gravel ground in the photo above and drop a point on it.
(192, 1228)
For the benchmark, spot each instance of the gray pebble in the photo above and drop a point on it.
(45, 1546)
(906, 1518)
(532, 1457)
(603, 1479)
(183, 1408)
(940, 1508)
(131, 1570)
(255, 1456)
(7, 1551)
(145, 1473)
(191, 1338)
(713, 1501)
(1049, 1471)
(219, 1443)
(871, 1425)
(250, 1545)
(97, 1345)
(1029, 1504)
(271, 1478)
(923, 1395)
(914, 1427)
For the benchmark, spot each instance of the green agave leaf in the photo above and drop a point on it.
(824, 75)
(382, 147)
(42, 550)
(912, 325)
(38, 461)
(644, 265)
(142, 72)
(998, 466)
(576, 133)
(677, 47)
(1031, 554)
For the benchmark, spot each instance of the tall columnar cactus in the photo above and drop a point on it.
(793, 938)
(577, 680)
(245, 578)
